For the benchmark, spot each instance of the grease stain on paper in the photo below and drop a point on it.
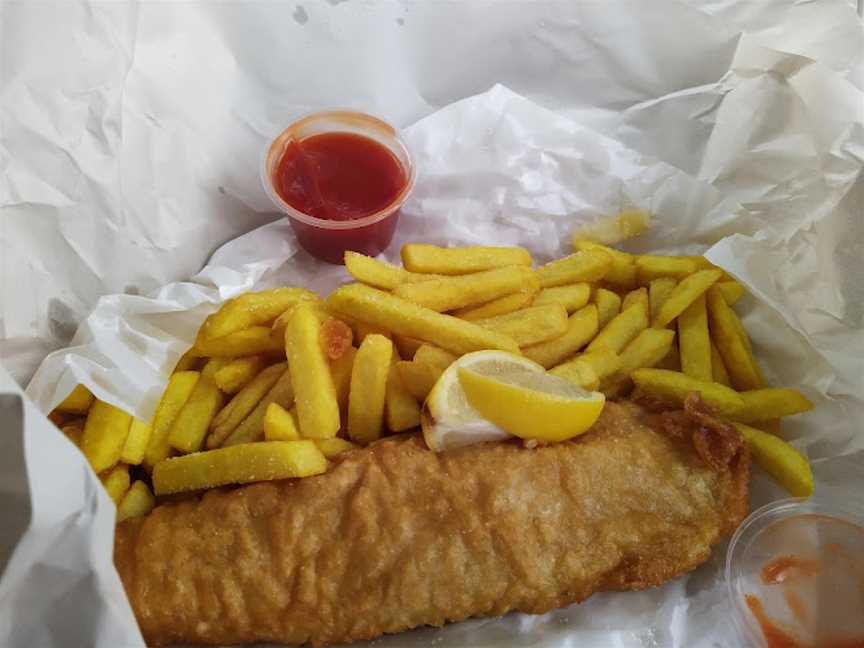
(300, 15)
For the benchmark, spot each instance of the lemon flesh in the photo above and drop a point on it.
(531, 405)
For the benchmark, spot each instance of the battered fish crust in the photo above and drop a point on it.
(395, 536)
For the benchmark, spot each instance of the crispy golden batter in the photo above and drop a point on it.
(395, 536)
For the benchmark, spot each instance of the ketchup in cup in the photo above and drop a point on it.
(342, 178)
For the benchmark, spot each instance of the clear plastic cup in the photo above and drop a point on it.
(329, 239)
(801, 564)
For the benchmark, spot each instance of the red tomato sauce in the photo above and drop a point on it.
(338, 176)
(787, 568)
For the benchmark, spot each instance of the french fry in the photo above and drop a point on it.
(379, 274)
(653, 267)
(530, 325)
(244, 401)
(732, 343)
(250, 341)
(78, 401)
(608, 306)
(578, 267)
(401, 409)
(418, 377)
(645, 350)
(116, 482)
(369, 389)
(572, 297)
(694, 343)
(420, 257)
(621, 330)
(237, 373)
(180, 386)
(622, 272)
(58, 418)
(612, 230)
(450, 293)
(672, 361)
(637, 297)
(771, 403)
(74, 432)
(718, 369)
(317, 407)
(336, 336)
(684, 294)
(137, 501)
(785, 464)
(435, 357)
(602, 362)
(252, 427)
(251, 309)
(674, 386)
(190, 427)
(404, 318)
(105, 433)
(578, 372)
(136, 442)
(340, 370)
(335, 446)
(658, 293)
(212, 366)
(189, 361)
(277, 329)
(731, 290)
(279, 424)
(362, 330)
(407, 346)
(581, 327)
(500, 306)
(240, 464)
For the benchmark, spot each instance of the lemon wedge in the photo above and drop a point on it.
(448, 420)
(532, 405)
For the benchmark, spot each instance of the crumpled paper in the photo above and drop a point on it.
(753, 154)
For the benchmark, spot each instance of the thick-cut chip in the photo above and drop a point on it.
(732, 343)
(191, 425)
(530, 325)
(672, 361)
(250, 341)
(608, 306)
(240, 464)
(74, 432)
(116, 482)
(336, 337)
(317, 407)
(622, 273)
(637, 297)
(252, 427)
(646, 350)
(581, 327)
(435, 357)
(579, 373)
(418, 377)
(652, 267)
(279, 424)
(621, 330)
(684, 294)
(694, 342)
(239, 407)
(136, 442)
(369, 389)
(785, 464)
(189, 361)
(658, 293)
(718, 369)
(449, 293)
(500, 306)
(571, 297)
(731, 290)
(277, 330)
(592, 265)
(78, 401)
(401, 409)
(771, 403)
(137, 501)
(420, 257)
(105, 433)
(212, 366)
(362, 330)
(340, 369)
(614, 229)
(379, 274)
(772, 426)
(407, 346)
(176, 394)
(404, 318)
(237, 373)
(603, 362)
(251, 309)
(334, 446)
(674, 386)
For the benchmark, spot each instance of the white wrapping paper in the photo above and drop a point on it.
(138, 158)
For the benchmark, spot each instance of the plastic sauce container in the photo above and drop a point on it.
(342, 178)
(795, 574)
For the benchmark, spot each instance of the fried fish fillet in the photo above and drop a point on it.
(395, 536)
